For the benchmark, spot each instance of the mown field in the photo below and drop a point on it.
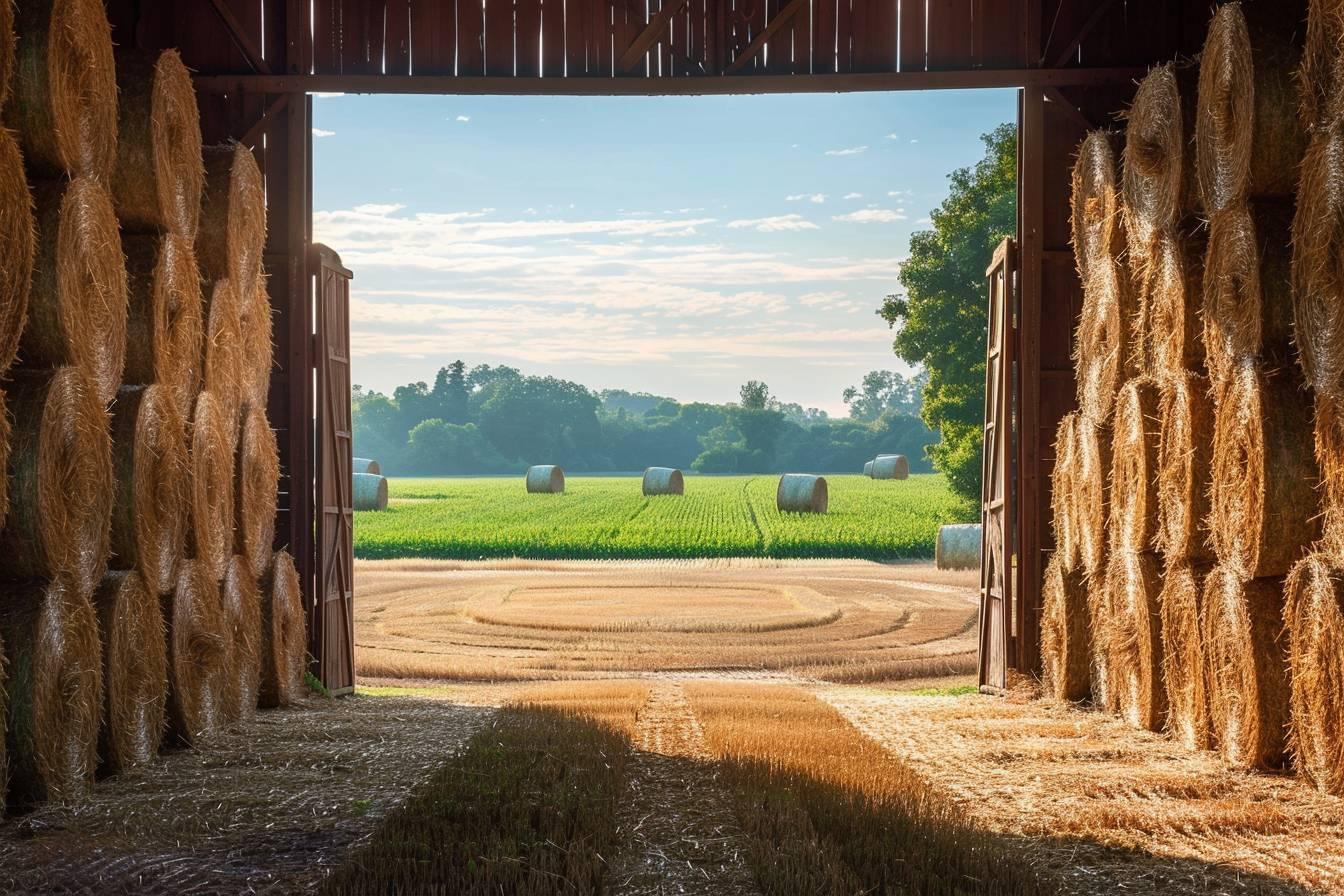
(607, 517)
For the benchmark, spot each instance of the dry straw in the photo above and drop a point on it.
(1315, 623)
(1329, 433)
(1247, 663)
(258, 347)
(54, 687)
(1134, 465)
(1318, 263)
(64, 98)
(958, 546)
(1065, 528)
(17, 242)
(1321, 72)
(1101, 617)
(802, 493)
(77, 306)
(223, 360)
(1107, 348)
(283, 641)
(369, 492)
(1184, 666)
(60, 475)
(1159, 177)
(135, 671)
(663, 481)
(232, 234)
(1092, 448)
(1248, 303)
(545, 479)
(256, 479)
(1066, 648)
(198, 652)
(1263, 501)
(159, 173)
(242, 614)
(1133, 638)
(1185, 458)
(1095, 203)
(149, 462)
(210, 460)
(365, 465)
(163, 324)
(1170, 293)
(891, 466)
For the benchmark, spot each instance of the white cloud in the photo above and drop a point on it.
(893, 136)
(774, 224)
(853, 195)
(896, 193)
(374, 209)
(914, 141)
(848, 151)
(328, 94)
(818, 198)
(924, 221)
(872, 216)
(321, 132)
(463, 118)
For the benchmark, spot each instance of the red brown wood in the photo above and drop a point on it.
(433, 38)
(397, 42)
(470, 39)
(913, 45)
(527, 38)
(553, 38)
(950, 42)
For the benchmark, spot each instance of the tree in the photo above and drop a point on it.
(941, 317)
(450, 393)
(882, 391)
(755, 395)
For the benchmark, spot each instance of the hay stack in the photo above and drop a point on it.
(1329, 433)
(802, 493)
(222, 365)
(60, 475)
(1184, 667)
(1318, 273)
(242, 614)
(54, 687)
(1248, 303)
(210, 459)
(1101, 617)
(64, 99)
(1092, 449)
(958, 546)
(198, 651)
(258, 354)
(1246, 653)
(1315, 617)
(1133, 638)
(135, 671)
(1319, 78)
(1185, 458)
(283, 641)
(232, 233)
(163, 323)
(17, 240)
(1108, 348)
(891, 466)
(1248, 138)
(663, 481)
(868, 469)
(257, 475)
(1170, 295)
(77, 306)
(149, 461)
(1098, 237)
(1134, 463)
(1159, 175)
(1263, 503)
(1066, 649)
(369, 492)
(1061, 493)
(545, 479)
(158, 175)
(365, 465)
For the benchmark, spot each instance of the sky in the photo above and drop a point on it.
(674, 245)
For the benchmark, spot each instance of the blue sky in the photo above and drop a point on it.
(677, 245)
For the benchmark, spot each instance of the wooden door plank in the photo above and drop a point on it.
(913, 47)
(553, 38)
(433, 37)
(397, 38)
(499, 37)
(527, 38)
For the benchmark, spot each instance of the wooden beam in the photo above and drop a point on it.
(241, 38)
(1098, 14)
(649, 36)
(253, 135)
(1056, 96)
(785, 16)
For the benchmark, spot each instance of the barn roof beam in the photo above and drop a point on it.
(656, 28)
(1098, 15)
(785, 16)
(238, 34)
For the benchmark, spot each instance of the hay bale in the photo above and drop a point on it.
(1170, 295)
(1160, 185)
(663, 481)
(1184, 461)
(1108, 348)
(17, 239)
(1320, 75)
(1263, 502)
(1329, 442)
(1134, 638)
(258, 352)
(1248, 138)
(222, 363)
(256, 483)
(891, 466)
(242, 614)
(284, 644)
(232, 233)
(156, 183)
(1317, 274)
(1106, 673)
(163, 320)
(801, 493)
(1092, 448)
(369, 492)
(64, 97)
(135, 671)
(55, 691)
(545, 479)
(1247, 301)
(210, 459)
(365, 465)
(60, 480)
(958, 546)
(77, 305)
(1315, 624)
(149, 462)
(1181, 600)
(1066, 649)
(868, 469)
(198, 653)
(1094, 200)
(1132, 520)
(1246, 652)
(1062, 524)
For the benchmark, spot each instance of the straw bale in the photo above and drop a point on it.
(198, 653)
(802, 493)
(255, 490)
(17, 240)
(210, 460)
(135, 671)
(1134, 465)
(663, 481)
(545, 479)
(1184, 462)
(1066, 649)
(283, 641)
(1134, 638)
(163, 324)
(231, 236)
(1315, 624)
(1184, 667)
(242, 613)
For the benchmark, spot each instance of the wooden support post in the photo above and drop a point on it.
(1031, 186)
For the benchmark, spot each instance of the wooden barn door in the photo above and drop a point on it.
(997, 568)
(331, 626)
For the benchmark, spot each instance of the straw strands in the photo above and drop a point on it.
(163, 324)
(258, 352)
(1092, 451)
(1315, 624)
(663, 481)
(1159, 177)
(257, 477)
(241, 602)
(210, 527)
(1108, 343)
(1133, 638)
(1095, 209)
(283, 643)
(1065, 640)
(135, 671)
(232, 231)
(1134, 467)
(1185, 459)
(222, 372)
(543, 479)
(1319, 77)
(17, 243)
(1062, 493)
(1318, 263)
(198, 654)
(1184, 667)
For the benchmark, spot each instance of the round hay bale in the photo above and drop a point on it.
(198, 654)
(156, 183)
(258, 354)
(135, 671)
(868, 469)
(802, 493)
(545, 479)
(149, 462)
(1066, 650)
(1101, 617)
(1329, 432)
(663, 481)
(284, 644)
(957, 547)
(222, 364)
(1160, 185)
(232, 233)
(1184, 461)
(370, 492)
(1317, 273)
(60, 480)
(255, 490)
(1067, 553)
(1320, 75)
(1108, 348)
(1248, 138)
(17, 240)
(891, 466)
(1315, 623)
(163, 322)
(1134, 638)
(1092, 448)
(1170, 295)
(1246, 652)
(1263, 501)
(1095, 203)
(1183, 667)
(1247, 301)
(210, 459)
(242, 615)
(64, 97)
(1134, 463)
(366, 465)
(77, 305)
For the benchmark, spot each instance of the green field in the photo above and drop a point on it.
(607, 517)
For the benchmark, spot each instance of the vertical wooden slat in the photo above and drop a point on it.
(553, 38)
(844, 36)
(777, 50)
(327, 38)
(999, 26)
(433, 37)
(875, 35)
(499, 37)
(951, 40)
(755, 13)
(470, 38)
(527, 37)
(823, 37)
(361, 46)
(802, 40)
(397, 38)
(599, 39)
(912, 36)
(577, 25)
(1029, 515)
(697, 17)
(628, 22)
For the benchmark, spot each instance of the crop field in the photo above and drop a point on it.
(608, 517)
